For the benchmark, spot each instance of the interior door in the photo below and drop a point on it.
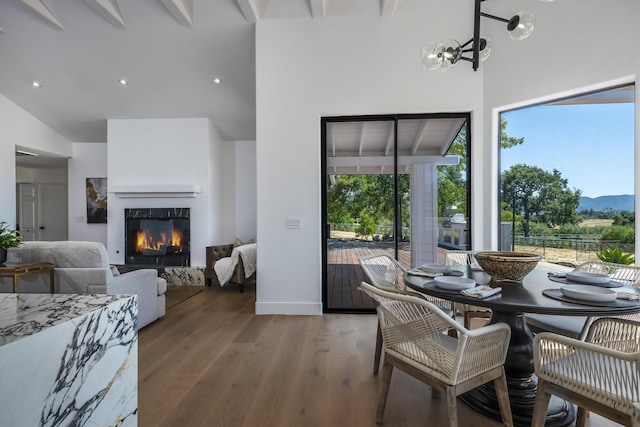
(53, 222)
(27, 212)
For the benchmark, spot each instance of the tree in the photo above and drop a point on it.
(537, 194)
(367, 196)
(625, 218)
(452, 179)
(507, 141)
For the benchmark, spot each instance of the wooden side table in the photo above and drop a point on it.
(19, 270)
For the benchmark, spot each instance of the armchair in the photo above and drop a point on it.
(215, 253)
(599, 374)
(414, 342)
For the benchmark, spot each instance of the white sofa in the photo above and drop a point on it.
(83, 268)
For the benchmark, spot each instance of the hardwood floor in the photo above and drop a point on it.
(211, 362)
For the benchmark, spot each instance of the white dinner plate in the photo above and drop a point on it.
(436, 268)
(589, 293)
(454, 283)
(586, 277)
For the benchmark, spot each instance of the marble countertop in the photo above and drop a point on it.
(22, 315)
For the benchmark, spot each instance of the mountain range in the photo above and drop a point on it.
(623, 202)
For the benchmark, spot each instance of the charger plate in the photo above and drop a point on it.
(619, 303)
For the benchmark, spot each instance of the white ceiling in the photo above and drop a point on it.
(168, 50)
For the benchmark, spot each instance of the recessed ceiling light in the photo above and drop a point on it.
(217, 80)
(36, 84)
(123, 82)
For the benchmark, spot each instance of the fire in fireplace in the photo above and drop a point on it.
(158, 236)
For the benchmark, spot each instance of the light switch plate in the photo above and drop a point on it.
(294, 223)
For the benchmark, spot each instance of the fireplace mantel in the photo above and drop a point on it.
(127, 191)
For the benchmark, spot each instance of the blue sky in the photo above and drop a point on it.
(592, 145)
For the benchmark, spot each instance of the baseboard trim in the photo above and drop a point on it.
(289, 308)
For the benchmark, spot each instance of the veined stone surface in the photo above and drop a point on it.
(184, 276)
(68, 360)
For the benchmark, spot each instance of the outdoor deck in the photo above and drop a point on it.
(344, 273)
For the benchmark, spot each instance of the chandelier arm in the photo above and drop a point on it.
(497, 18)
(466, 44)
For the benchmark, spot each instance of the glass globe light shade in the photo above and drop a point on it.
(428, 57)
(485, 49)
(449, 51)
(521, 26)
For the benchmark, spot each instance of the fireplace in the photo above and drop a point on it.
(157, 236)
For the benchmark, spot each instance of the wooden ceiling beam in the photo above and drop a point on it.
(318, 8)
(249, 10)
(42, 9)
(182, 10)
(109, 10)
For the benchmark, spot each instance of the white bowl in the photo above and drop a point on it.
(586, 277)
(454, 283)
(436, 268)
(589, 293)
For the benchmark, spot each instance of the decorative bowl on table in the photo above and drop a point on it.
(507, 266)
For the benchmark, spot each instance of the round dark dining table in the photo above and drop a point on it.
(510, 306)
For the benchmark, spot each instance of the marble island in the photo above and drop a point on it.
(68, 360)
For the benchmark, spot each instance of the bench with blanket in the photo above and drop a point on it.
(232, 263)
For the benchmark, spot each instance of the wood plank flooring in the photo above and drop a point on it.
(344, 273)
(211, 362)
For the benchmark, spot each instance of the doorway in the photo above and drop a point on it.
(380, 194)
(42, 197)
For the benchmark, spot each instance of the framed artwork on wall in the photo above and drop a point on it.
(96, 200)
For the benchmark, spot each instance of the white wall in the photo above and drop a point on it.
(245, 190)
(19, 128)
(577, 46)
(89, 161)
(331, 67)
(165, 152)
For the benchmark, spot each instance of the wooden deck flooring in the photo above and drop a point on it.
(344, 273)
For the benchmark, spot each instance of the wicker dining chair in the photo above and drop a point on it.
(414, 342)
(599, 374)
(455, 257)
(577, 326)
(385, 272)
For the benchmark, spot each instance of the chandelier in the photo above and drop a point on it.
(446, 54)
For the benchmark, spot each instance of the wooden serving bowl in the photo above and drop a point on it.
(507, 266)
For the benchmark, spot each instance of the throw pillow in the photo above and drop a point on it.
(237, 243)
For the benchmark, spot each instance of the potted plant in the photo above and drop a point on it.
(9, 238)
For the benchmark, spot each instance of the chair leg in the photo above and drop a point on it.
(387, 370)
(502, 392)
(467, 320)
(540, 406)
(452, 409)
(376, 359)
(581, 418)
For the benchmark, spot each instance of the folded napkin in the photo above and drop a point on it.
(482, 291)
(558, 275)
(420, 272)
(628, 296)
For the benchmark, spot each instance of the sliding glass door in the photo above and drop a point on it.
(380, 194)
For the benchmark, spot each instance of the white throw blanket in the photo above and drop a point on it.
(224, 267)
